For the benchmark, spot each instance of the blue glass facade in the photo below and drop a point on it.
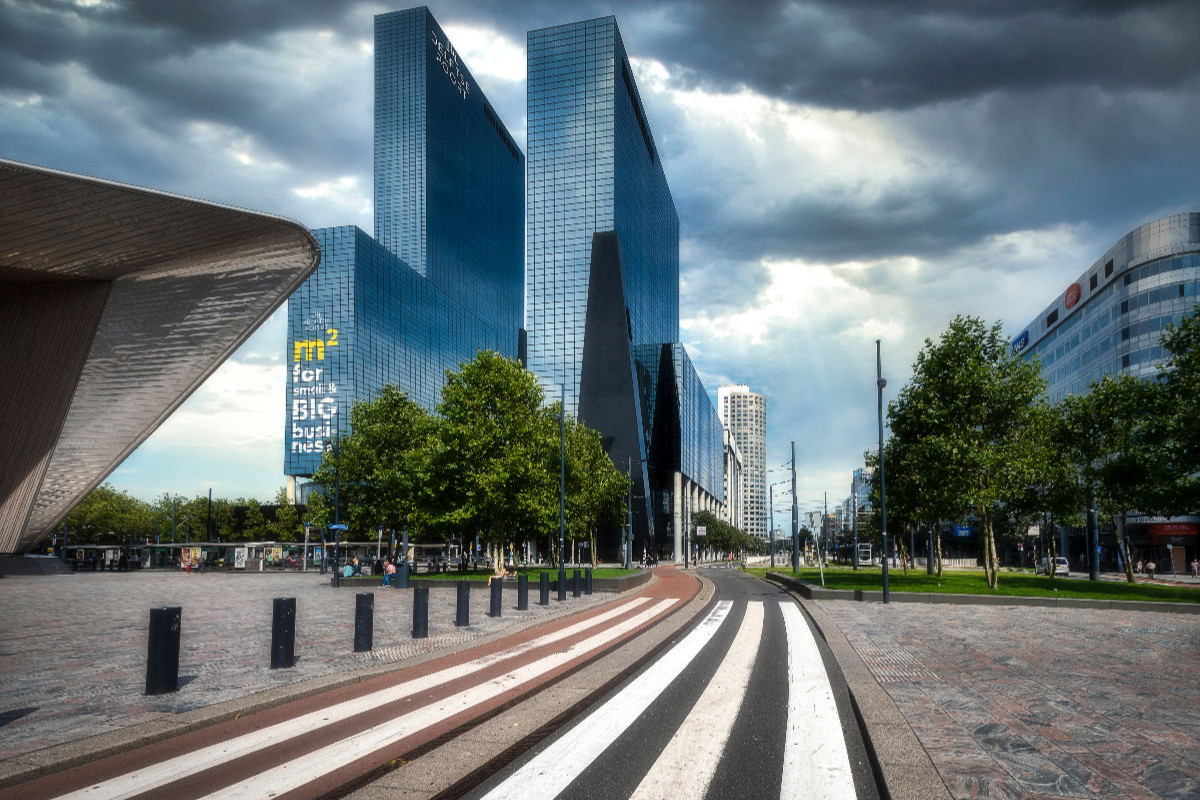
(449, 179)
(444, 276)
(1109, 321)
(364, 320)
(592, 167)
(602, 279)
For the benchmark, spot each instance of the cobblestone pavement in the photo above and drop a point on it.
(73, 648)
(1039, 703)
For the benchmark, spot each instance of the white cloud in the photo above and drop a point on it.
(341, 192)
(488, 53)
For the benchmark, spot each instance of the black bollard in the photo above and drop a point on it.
(562, 583)
(587, 583)
(575, 581)
(162, 654)
(402, 576)
(420, 613)
(463, 618)
(364, 621)
(544, 599)
(522, 592)
(283, 633)
(497, 588)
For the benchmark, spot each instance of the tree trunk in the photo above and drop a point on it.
(989, 550)
(592, 546)
(937, 548)
(1124, 530)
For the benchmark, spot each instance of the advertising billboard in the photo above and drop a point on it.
(316, 383)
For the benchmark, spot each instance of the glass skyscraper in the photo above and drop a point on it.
(443, 277)
(602, 281)
(592, 167)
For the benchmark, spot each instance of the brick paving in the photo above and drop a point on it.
(73, 648)
(1041, 703)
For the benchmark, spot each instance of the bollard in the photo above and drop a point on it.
(402, 576)
(420, 628)
(497, 587)
(575, 580)
(162, 654)
(562, 583)
(463, 618)
(364, 621)
(544, 599)
(587, 583)
(522, 592)
(283, 633)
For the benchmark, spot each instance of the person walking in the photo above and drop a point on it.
(1150, 565)
(1196, 567)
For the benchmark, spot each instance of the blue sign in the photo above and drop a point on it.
(1020, 343)
(962, 531)
(339, 527)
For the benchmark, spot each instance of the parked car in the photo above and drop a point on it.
(1061, 567)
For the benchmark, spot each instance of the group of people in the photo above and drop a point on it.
(1145, 568)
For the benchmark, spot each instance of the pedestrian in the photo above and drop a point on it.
(1196, 567)
(1140, 566)
(1150, 565)
(389, 570)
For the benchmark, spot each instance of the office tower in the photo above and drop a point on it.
(443, 277)
(602, 278)
(1109, 322)
(744, 414)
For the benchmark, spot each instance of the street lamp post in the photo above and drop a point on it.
(627, 540)
(562, 492)
(795, 518)
(337, 507)
(880, 383)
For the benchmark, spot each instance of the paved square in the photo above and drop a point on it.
(1018, 702)
(73, 648)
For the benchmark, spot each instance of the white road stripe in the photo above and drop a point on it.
(687, 764)
(311, 766)
(552, 770)
(816, 765)
(164, 772)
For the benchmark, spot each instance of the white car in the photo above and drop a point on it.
(1061, 567)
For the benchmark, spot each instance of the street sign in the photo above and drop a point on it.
(339, 527)
(701, 530)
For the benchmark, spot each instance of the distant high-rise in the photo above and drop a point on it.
(602, 279)
(744, 414)
(444, 276)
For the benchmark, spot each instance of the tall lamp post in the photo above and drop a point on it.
(795, 519)
(562, 493)
(337, 507)
(880, 383)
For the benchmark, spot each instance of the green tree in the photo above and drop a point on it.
(286, 525)
(1180, 379)
(109, 516)
(974, 405)
(1113, 435)
(381, 466)
(495, 456)
(595, 497)
(255, 527)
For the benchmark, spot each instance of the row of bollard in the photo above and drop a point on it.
(162, 657)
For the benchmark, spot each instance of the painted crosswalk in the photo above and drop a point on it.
(813, 756)
(676, 728)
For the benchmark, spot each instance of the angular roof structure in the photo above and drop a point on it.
(116, 302)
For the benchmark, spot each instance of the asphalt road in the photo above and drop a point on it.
(718, 725)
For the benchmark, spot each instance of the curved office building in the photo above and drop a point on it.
(116, 303)
(1109, 322)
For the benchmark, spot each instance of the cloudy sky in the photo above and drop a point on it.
(844, 171)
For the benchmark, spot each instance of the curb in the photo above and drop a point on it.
(618, 585)
(38, 763)
(810, 592)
